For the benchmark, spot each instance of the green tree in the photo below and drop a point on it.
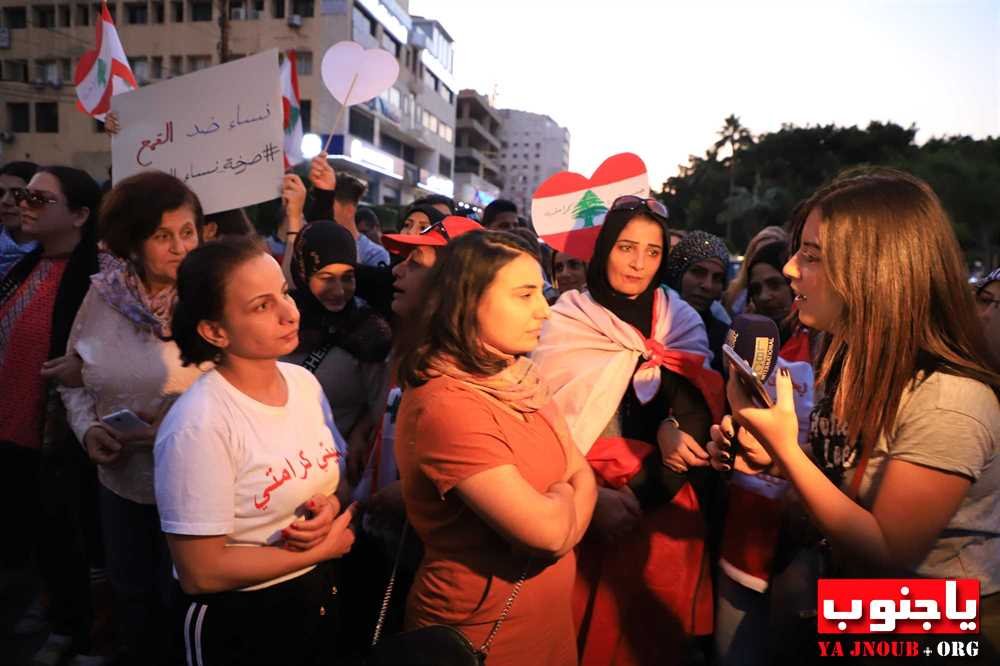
(589, 207)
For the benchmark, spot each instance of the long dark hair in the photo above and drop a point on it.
(891, 255)
(449, 325)
(201, 292)
(81, 191)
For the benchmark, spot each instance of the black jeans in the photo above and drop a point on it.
(141, 575)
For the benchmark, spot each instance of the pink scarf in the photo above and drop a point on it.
(518, 386)
(122, 288)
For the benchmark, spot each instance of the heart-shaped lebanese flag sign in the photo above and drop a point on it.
(354, 74)
(568, 209)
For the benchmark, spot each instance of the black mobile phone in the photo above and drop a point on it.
(747, 378)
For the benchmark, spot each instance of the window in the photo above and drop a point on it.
(199, 62)
(278, 8)
(176, 66)
(444, 166)
(159, 12)
(178, 13)
(47, 117)
(137, 13)
(537, 145)
(362, 26)
(140, 68)
(16, 70)
(201, 11)
(409, 153)
(65, 16)
(445, 132)
(430, 121)
(48, 71)
(66, 69)
(362, 125)
(390, 44)
(304, 62)
(304, 8)
(237, 10)
(305, 112)
(82, 15)
(15, 17)
(446, 94)
(18, 117)
(156, 67)
(45, 16)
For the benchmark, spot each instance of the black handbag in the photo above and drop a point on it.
(435, 645)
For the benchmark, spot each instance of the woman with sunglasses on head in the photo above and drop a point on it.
(342, 341)
(148, 223)
(39, 296)
(628, 364)
(247, 463)
(493, 485)
(902, 480)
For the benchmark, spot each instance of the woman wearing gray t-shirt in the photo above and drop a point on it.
(909, 428)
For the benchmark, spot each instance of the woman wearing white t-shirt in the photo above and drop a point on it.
(246, 465)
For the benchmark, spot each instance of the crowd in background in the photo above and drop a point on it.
(246, 437)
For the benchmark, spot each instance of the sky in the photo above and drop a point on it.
(658, 77)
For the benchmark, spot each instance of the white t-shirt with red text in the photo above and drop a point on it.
(226, 464)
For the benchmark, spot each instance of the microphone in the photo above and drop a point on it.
(756, 340)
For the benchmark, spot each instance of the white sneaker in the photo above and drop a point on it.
(53, 651)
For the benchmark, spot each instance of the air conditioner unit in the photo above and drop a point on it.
(237, 14)
(295, 21)
(6, 136)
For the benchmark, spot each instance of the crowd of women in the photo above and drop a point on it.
(539, 452)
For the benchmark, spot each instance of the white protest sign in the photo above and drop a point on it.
(219, 130)
(354, 74)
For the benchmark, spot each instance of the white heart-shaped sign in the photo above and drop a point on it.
(351, 70)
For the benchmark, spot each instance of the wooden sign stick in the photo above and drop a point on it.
(340, 114)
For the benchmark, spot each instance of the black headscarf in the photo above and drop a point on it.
(637, 311)
(357, 328)
(432, 213)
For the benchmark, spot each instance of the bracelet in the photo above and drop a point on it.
(671, 420)
(291, 233)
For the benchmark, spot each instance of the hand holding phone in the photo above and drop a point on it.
(748, 379)
(125, 422)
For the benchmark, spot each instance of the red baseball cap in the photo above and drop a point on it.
(436, 235)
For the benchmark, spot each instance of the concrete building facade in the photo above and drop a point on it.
(533, 147)
(402, 143)
(478, 179)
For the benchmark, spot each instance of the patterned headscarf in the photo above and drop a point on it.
(120, 286)
(694, 247)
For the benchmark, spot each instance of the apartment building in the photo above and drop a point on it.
(477, 148)
(402, 143)
(533, 147)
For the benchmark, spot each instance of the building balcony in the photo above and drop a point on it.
(478, 155)
(476, 127)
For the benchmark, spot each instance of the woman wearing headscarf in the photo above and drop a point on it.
(627, 361)
(696, 269)
(343, 342)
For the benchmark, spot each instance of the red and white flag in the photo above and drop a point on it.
(104, 71)
(293, 110)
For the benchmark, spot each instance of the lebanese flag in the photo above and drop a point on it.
(104, 71)
(293, 110)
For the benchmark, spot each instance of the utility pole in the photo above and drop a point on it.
(223, 6)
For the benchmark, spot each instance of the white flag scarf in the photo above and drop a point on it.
(104, 71)
(293, 110)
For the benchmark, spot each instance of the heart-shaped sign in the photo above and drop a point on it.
(568, 209)
(354, 74)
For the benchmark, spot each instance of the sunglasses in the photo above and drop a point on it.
(35, 200)
(439, 226)
(630, 202)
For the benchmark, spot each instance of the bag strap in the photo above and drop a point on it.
(387, 598)
(316, 357)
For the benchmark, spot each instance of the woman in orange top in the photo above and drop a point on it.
(492, 482)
